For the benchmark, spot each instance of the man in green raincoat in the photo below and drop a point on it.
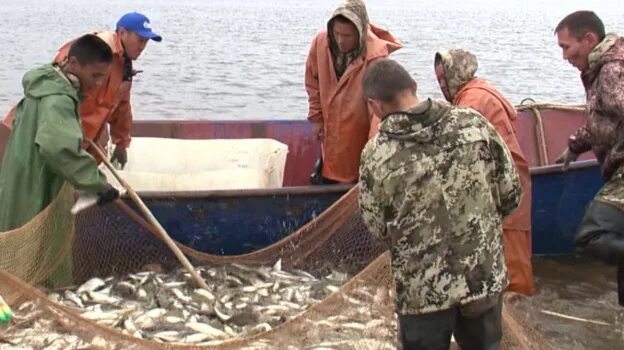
(43, 150)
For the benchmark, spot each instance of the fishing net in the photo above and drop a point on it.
(108, 241)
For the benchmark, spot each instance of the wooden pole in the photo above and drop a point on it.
(152, 220)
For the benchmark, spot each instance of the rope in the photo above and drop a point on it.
(541, 135)
(532, 104)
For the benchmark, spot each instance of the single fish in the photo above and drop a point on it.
(224, 317)
(205, 294)
(91, 285)
(207, 329)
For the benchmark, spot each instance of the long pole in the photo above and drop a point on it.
(152, 220)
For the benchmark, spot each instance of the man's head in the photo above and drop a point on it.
(388, 87)
(89, 59)
(441, 77)
(345, 34)
(577, 34)
(454, 68)
(135, 31)
(348, 25)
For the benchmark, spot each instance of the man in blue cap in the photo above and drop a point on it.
(110, 102)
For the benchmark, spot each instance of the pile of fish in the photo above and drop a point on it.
(362, 320)
(242, 301)
(33, 331)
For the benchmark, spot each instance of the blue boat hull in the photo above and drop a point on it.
(239, 222)
(559, 202)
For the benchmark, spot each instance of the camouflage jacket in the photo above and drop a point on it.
(604, 88)
(435, 183)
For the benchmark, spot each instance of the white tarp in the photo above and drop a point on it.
(163, 164)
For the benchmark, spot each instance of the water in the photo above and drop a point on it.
(244, 59)
(577, 287)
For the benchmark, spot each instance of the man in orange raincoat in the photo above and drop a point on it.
(455, 71)
(111, 101)
(333, 79)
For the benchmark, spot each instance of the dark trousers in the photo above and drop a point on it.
(601, 232)
(323, 181)
(601, 235)
(481, 331)
(317, 179)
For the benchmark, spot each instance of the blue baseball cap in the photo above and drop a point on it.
(138, 23)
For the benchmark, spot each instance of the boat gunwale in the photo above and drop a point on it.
(556, 168)
(318, 190)
(252, 192)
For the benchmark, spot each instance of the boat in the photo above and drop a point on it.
(233, 222)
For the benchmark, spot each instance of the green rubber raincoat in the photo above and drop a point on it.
(43, 150)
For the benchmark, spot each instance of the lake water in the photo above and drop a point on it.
(244, 59)
(576, 304)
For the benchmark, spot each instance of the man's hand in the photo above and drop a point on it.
(566, 158)
(121, 155)
(317, 131)
(108, 195)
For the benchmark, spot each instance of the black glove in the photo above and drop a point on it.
(121, 155)
(108, 195)
(566, 158)
(316, 177)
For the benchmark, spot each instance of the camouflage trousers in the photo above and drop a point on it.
(476, 326)
(613, 191)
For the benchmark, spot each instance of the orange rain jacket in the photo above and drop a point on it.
(466, 90)
(108, 103)
(479, 95)
(339, 104)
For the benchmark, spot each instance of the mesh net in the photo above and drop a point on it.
(35, 251)
(108, 242)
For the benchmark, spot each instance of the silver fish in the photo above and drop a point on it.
(183, 298)
(230, 331)
(224, 317)
(205, 294)
(71, 296)
(102, 298)
(196, 338)
(170, 336)
(207, 329)
(91, 285)
(278, 265)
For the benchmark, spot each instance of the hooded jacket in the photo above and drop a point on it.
(339, 103)
(468, 91)
(604, 89)
(43, 150)
(435, 183)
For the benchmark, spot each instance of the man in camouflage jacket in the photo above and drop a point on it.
(600, 59)
(435, 183)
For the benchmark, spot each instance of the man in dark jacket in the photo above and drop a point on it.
(600, 59)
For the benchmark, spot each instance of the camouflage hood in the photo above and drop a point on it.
(611, 48)
(425, 123)
(354, 11)
(460, 67)
(604, 131)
